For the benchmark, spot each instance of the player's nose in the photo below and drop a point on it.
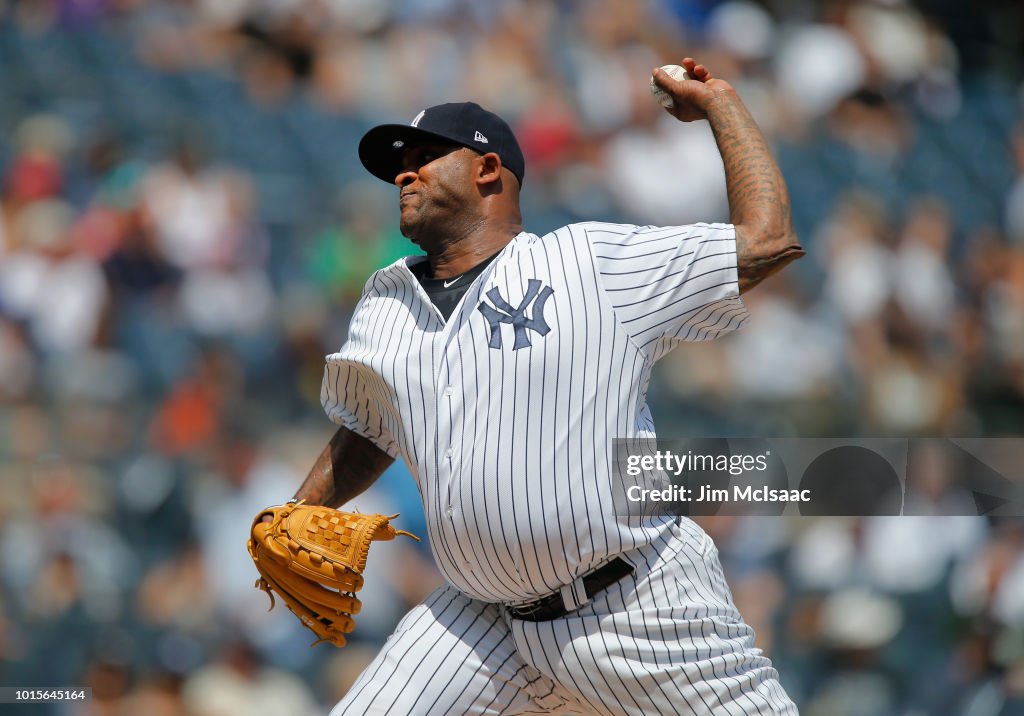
(405, 177)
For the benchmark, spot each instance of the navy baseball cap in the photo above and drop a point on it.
(463, 123)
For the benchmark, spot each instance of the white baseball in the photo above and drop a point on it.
(675, 72)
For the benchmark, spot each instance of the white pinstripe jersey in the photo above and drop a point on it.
(505, 414)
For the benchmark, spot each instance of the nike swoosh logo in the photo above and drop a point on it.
(446, 284)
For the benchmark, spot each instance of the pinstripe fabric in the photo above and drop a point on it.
(505, 415)
(453, 655)
(500, 440)
(665, 640)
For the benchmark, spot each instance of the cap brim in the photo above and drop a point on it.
(380, 149)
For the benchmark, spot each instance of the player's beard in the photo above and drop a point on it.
(409, 220)
(429, 223)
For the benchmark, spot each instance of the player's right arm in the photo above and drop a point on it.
(758, 199)
(348, 465)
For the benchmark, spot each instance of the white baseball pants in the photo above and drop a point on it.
(666, 639)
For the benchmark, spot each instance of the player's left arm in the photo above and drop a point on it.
(758, 200)
(346, 467)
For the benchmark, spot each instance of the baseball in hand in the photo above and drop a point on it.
(675, 72)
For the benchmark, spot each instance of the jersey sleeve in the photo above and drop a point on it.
(669, 283)
(348, 401)
(349, 393)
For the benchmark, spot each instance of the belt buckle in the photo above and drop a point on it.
(572, 596)
(528, 609)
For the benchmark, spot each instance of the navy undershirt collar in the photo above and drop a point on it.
(445, 293)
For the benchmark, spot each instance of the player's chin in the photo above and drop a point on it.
(409, 229)
(407, 222)
(415, 223)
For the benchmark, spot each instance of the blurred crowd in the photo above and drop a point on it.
(185, 228)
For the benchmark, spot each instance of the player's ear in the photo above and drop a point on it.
(488, 169)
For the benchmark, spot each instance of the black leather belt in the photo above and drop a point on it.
(569, 598)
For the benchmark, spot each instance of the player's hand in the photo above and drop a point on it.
(693, 95)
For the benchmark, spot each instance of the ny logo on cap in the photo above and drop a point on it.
(503, 312)
(416, 121)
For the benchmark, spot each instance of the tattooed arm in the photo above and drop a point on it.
(347, 466)
(758, 200)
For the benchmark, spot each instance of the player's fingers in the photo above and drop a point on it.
(695, 71)
(663, 79)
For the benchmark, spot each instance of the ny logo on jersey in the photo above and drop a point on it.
(503, 312)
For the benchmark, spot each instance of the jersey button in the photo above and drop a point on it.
(449, 510)
(448, 453)
(448, 392)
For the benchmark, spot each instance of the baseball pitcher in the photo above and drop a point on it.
(500, 367)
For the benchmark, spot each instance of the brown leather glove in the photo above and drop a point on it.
(313, 558)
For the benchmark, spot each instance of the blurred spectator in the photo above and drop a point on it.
(816, 66)
(990, 578)
(17, 364)
(216, 302)
(159, 695)
(151, 499)
(175, 594)
(200, 213)
(857, 261)
(872, 127)
(58, 292)
(1015, 197)
(799, 349)
(178, 613)
(36, 172)
(664, 173)
(926, 292)
(68, 571)
(855, 626)
(244, 479)
(361, 240)
(240, 683)
(202, 224)
(743, 28)
(65, 527)
(137, 267)
(110, 680)
(95, 400)
(189, 420)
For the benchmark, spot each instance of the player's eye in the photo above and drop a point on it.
(416, 159)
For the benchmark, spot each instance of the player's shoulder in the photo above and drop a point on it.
(385, 280)
(595, 234)
(584, 228)
(607, 229)
(583, 233)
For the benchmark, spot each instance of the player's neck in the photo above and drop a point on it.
(461, 253)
